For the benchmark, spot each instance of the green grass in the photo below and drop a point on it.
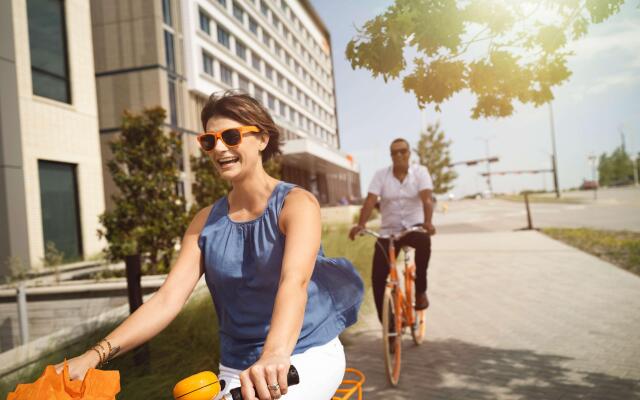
(190, 343)
(621, 248)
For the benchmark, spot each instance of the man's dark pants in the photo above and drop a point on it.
(419, 241)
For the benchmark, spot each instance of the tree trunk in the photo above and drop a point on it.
(134, 289)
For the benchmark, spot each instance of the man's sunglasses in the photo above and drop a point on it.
(399, 151)
(231, 137)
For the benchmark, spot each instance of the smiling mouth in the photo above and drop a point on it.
(228, 161)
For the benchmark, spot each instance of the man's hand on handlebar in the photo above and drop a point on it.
(354, 231)
(428, 226)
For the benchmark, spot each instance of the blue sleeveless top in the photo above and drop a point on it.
(242, 263)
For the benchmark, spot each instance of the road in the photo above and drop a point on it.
(615, 209)
(514, 315)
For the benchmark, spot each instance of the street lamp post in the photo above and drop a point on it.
(554, 156)
(592, 160)
(486, 147)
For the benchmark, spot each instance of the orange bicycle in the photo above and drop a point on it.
(398, 312)
(206, 386)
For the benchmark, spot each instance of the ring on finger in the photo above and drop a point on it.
(275, 386)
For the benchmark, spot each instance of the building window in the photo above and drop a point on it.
(223, 37)
(241, 50)
(280, 81)
(207, 63)
(268, 71)
(283, 109)
(272, 102)
(48, 48)
(290, 88)
(173, 106)
(243, 83)
(276, 23)
(60, 208)
(205, 22)
(226, 74)
(238, 12)
(255, 61)
(170, 56)
(266, 39)
(258, 93)
(166, 11)
(253, 26)
(264, 9)
(223, 3)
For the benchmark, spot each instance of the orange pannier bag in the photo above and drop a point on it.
(97, 385)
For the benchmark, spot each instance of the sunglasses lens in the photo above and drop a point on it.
(207, 142)
(231, 137)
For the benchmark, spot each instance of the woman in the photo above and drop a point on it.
(279, 300)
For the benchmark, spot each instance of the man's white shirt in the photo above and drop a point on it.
(400, 203)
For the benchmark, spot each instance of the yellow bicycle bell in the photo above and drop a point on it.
(201, 386)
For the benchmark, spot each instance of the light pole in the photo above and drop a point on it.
(592, 159)
(554, 156)
(486, 147)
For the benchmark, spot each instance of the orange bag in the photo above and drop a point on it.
(97, 385)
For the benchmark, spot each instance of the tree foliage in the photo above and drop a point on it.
(616, 169)
(149, 216)
(502, 51)
(208, 186)
(433, 152)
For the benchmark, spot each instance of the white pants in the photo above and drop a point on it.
(320, 368)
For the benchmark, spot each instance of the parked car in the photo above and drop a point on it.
(589, 185)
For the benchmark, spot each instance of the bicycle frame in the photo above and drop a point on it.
(403, 304)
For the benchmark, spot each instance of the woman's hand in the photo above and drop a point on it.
(79, 366)
(267, 372)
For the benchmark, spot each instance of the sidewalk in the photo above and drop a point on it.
(514, 315)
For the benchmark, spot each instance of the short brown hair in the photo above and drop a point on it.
(245, 109)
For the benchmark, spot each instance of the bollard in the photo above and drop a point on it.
(526, 203)
(21, 294)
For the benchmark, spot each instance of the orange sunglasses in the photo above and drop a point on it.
(231, 137)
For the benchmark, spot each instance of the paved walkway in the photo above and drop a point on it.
(514, 316)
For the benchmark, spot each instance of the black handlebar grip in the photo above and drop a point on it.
(292, 379)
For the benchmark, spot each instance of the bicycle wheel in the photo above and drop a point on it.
(391, 332)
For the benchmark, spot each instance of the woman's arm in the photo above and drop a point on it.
(300, 222)
(154, 315)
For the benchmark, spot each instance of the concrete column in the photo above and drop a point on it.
(14, 239)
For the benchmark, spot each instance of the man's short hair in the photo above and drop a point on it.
(400, 140)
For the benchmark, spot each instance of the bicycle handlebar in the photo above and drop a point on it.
(292, 379)
(394, 236)
(205, 385)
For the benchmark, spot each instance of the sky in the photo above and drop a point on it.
(599, 101)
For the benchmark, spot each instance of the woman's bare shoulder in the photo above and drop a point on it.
(199, 220)
(299, 197)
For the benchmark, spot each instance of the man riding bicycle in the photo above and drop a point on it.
(405, 192)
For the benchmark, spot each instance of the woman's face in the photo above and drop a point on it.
(238, 161)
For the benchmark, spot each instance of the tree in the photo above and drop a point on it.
(148, 218)
(208, 186)
(616, 169)
(433, 153)
(501, 51)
